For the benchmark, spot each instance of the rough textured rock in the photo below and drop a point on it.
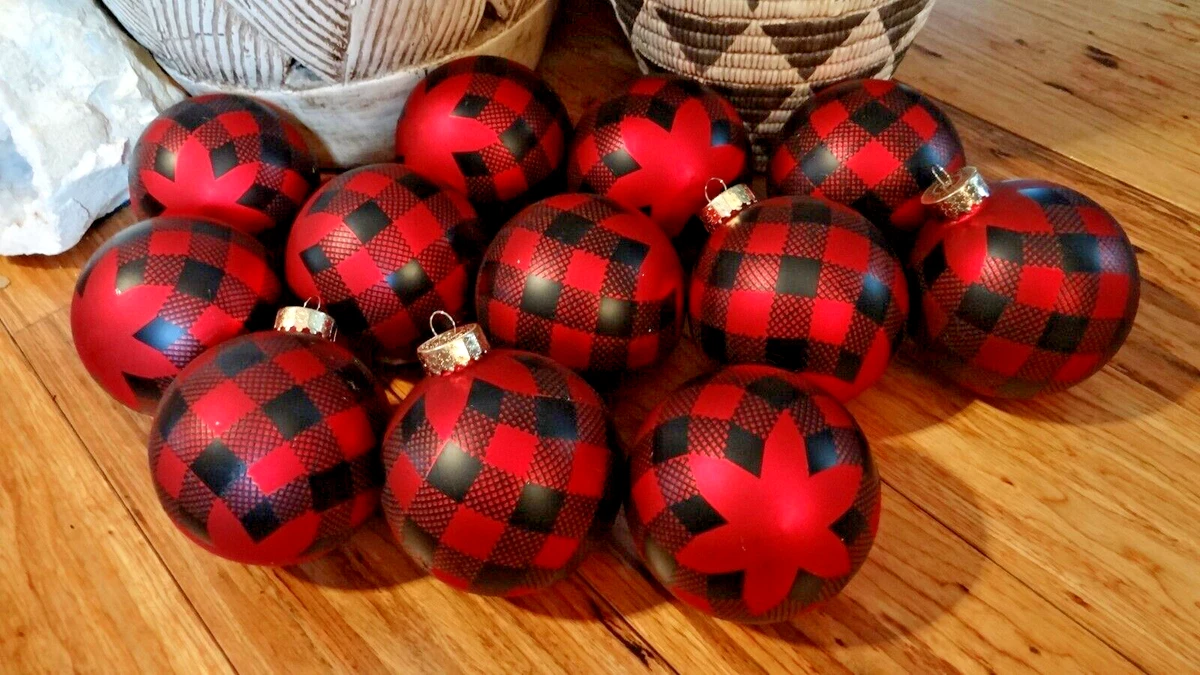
(75, 92)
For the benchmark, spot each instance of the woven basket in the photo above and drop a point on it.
(768, 56)
(342, 68)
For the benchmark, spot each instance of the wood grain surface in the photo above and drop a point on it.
(1053, 536)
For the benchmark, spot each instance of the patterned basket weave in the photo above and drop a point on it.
(343, 68)
(768, 56)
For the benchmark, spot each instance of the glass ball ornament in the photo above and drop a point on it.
(499, 467)
(1022, 286)
(584, 281)
(870, 145)
(265, 450)
(160, 293)
(383, 247)
(487, 127)
(226, 157)
(800, 283)
(652, 148)
(753, 494)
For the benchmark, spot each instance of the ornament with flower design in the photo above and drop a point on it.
(226, 157)
(754, 496)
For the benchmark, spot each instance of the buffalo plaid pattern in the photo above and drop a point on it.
(486, 126)
(802, 284)
(383, 249)
(584, 281)
(222, 156)
(158, 294)
(265, 450)
(1036, 292)
(499, 473)
(630, 149)
(732, 416)
(870, 145)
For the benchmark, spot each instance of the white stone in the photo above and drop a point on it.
(75, 93)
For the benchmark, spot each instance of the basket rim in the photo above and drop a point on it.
(479, 44)
(755, 16)
(873, 56)
(901, 28)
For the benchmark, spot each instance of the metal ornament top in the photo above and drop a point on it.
(726, 205)
(308, 320)
(448, 351)
(956, 196)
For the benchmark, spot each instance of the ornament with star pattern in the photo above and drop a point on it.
(870, 145)
(499, 468)
(1025, 286)
(753, 494)
(799, 283)
(225, 157)
(265, 450)
(383, 247)
(487, 127)
(161, 292)
(654, 146)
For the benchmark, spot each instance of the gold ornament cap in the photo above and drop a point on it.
(448, 351)
(307, 320)
(955, 196)
(726, 205)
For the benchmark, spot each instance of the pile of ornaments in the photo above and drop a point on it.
(751, 492)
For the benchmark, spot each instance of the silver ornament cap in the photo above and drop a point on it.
(448, 351)
(306, 320)
(728, 203)
(956, 196)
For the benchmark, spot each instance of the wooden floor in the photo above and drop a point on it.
(1052, 536)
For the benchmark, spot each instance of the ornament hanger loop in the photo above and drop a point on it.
(316, 303)
(944, 179)
(453, 324)
(708, 184)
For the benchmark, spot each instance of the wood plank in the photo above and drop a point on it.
(366, 607)
(1080, 502)
(924, 602)
(1080, 505)
(39, 285)
(1092, 490)
(82, 588)
(1100, 530)
(1112, 85)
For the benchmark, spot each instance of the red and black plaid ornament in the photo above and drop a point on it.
(1033, 288)
(754, 496)
(799, 283)
(585, 281)
(487, 127)
(159, 293)
(383, 248)
(265, 449)
(499, 469)
(870, 145)
(654, 147)
(224, 157)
